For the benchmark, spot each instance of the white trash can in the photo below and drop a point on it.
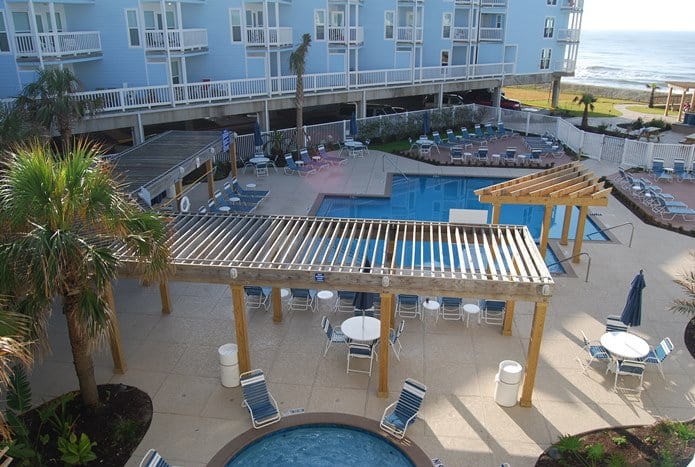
(229, 365)
(507, 382)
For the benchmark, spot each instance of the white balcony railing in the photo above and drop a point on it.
(344, 35)
(491, 34)
(493, 3)
(566, 65)
(58, 44)
(568, 35)
(461, 34)
(577, 5)
(277, 37)
(409, 34)
(180, 40)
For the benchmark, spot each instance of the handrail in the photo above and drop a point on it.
(632, 232)
(395, 166)
(588, 266)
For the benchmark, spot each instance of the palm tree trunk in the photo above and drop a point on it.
(651, 98)
(585, 116)
(300, 111)
(82, 358)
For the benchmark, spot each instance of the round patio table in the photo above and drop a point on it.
(361, 328)
(625, 345)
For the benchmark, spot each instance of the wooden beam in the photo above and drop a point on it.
(178, 186)
(165, 296)
(579, 236)
(545, 230)
(384, 348)
(534, 350)
(276, 298)
(496, 209)
(566, 225)
(241, 327)
(210, 178)
(508, 318)
(117, 355)
(232, 154)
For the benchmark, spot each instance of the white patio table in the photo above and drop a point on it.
(624, 346)
(361, 328)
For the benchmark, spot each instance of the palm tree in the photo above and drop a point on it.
(297, 65)
(687, 283)
(15, 126)
(60, 216)
(653, 87)
(587, 100)
(50, 102)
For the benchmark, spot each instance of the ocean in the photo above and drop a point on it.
(633, 59)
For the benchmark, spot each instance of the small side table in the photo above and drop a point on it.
(284, 297)
(471, 309)
(250, 186)
(496, 159)
(225, 209)
(432, 306)
(235, 200)
(324, 296)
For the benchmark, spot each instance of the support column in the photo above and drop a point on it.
(545, 230)
(496, 208)
(668, 101)
(566, 225)
(277, 305)
(138, 132)
(534, 350)
(508, 318)
(386, 310)
(211, 178)
(555, 93)
(165, 297)
(232, 154)
(579, 236)
(241, 327)
(119, 366)
(179, 193)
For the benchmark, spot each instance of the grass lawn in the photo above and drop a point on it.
(536, 97)
(656, 110)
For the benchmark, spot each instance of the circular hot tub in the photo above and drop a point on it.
(319, 439)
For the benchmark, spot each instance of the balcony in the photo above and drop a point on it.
(463, 2)
(409, 34)
(58, 46)
(574, 5)
(277, 37)
(179, 40)
(491, 34)
(462, 34)
(568, 35)
(493, 3)
(345, 36)
(564, 66)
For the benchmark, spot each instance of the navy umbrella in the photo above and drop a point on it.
(257, 138)
(632, 313)
(353, 124)
(426, 123)
(364, 301)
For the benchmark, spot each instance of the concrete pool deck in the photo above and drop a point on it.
(174, 357)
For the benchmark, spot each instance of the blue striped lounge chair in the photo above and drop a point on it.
(481, 155)
(261, 404)
(309, 162)
(613, 324)
(293, 168)
(503, 132)
(153, 459)
(658, 172)
(680, 173)
(333, 160)
(243, 199)
(399, 415)
(465, 138)
(490, 133)
(251, 193)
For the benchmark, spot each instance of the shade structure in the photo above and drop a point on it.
(426, 123)
(257, 137)
(632, 313)
(353, 124)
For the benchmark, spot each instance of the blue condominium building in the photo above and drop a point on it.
(172, 60)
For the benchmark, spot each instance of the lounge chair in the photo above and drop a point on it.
(244, 199)
(261, 404)
(333, 160)
(437, 140)
(332, 334)
(481, 155)
(451, 138)
(408, 306)
(503, 132)
(252, 193)
(399, 415)
(658, 172)
(658, 354)
(456, 154)
(395, 339)
(596, 352)
(345, 301)
(309, 162)
(293, 168)
(465, 138)
(221, 200)
(489, 132)
(301, 300)
(535, 156)
(510, 155)
(680, 173)
(153, 459)
(670, 212)
(479, 135)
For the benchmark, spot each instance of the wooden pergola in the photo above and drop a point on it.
(684, 86)
(566, 185)
(426, 258)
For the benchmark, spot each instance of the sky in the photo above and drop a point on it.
(642, 15)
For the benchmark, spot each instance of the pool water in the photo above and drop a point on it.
(321, 445)
(429, 198)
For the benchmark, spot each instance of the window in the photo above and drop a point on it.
(552, 2)
(235, 23)
(320, 25)
(59, 22)
(133, 29)
(545, 59)
(388, 24)
(20, 19)
(4, 40)
(446, 26)
(549, 27)
(445, 57)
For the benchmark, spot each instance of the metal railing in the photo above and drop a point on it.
(393, 163)
(632, 231)
(588, 265)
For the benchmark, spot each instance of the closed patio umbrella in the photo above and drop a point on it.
(353, 125)
(426, 123)
(364, 301)
(632, 313)
(257, 137)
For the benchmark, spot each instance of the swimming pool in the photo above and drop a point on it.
(430, 198)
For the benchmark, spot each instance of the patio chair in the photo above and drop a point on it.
(489, 132)
(613, 324)
(465, 138)
(451, 138)
(670, 212)
(437, 139)
(332, 334)
(408, 306)
(493, 311)
(153, 459)
(345, 301)
(333, 160)
(535, 156)
(249, 193)
(245, 199)
(212, 206)
(596, 352)
(658, 172)
(399, 415)
(261, 404)
(395, 339)
(360, 352)
(481, 155)
(510, 155)
(456, 154)
(255, 297)
(503, 132)
(658, 354)
(451, 308)
(629, 368)
(309, 162)
(479, 135)
(679, 171)
(301, 299)
(221, 200)
(202, 210)
(293, 168)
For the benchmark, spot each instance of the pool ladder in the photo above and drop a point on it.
(588, 264)
(632, 232)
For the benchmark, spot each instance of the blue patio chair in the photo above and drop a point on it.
(293, 168)
(255, 297)
(456, 154)
(596, 352)
(261, 404)
(408, 306)
(360, 351)
(437, 138)
(493, 311)
(658, 172)
(244, 199)
(395, 339)
(489, 132)
(333, 160)
(481, 155)
(658, 354)
(613, 324)
(332, 334)
(479, 135)
(202, 210)
(670, 212)
(345, 301)
(451, 138)
(250, 193)
(301, 299)
(221, 200)
(535, 156)
(153, 459)
(451, 308)
(309, 162)
(510, 155)
(465, 138)
(503, 132)
(679, 171)
(629, 368)
(213, 207)
(399, 415)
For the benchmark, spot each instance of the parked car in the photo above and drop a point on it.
(373, 110)
(448, 100)
(484, 97)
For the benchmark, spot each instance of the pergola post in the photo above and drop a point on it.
(165, 297)
(534, 350)
(508, 318)
(179, 193)
(668, 101)
(496, 208)
(119, 365)
(579, 236)
(276, 298)
(545, 230)
(386, 309)
(232, 155)
(211, 178)
(241, 327)
(564, 239)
